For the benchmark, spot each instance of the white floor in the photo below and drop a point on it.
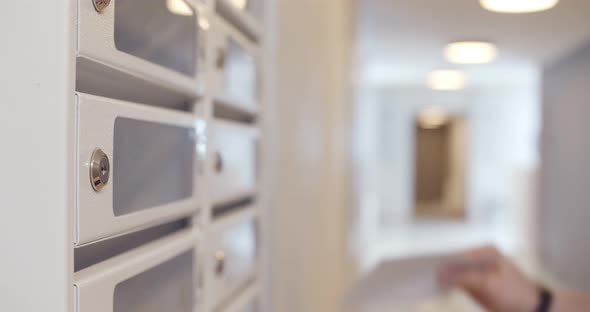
(454, 302)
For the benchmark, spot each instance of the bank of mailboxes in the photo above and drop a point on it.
(148, 163)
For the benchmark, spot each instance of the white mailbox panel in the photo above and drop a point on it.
(248, 301)
(248, 15)
(237, 69)
(255, 8)
(161, 41)
(235, 165)
(235, 250)
(153, 159)
(157, 277)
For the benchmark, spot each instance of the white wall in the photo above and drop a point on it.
(565, 175)
(36, 134)
(311, 155)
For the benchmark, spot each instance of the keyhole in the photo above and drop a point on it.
(104, 168)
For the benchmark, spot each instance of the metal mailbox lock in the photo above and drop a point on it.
(219, 263)
(100, 5)
(100, 169)
(221, 59)
(218, 162)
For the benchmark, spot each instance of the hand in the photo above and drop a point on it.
(492, 280)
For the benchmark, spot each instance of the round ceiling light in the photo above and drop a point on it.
(471, 52)
(447, 80)
(518, 6)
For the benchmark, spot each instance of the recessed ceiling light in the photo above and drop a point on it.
(471, 52)
(518, 6)
(447, 80)
(179, 7)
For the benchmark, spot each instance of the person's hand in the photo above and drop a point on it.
(492, 280)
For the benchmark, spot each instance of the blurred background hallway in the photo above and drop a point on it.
(419, 127)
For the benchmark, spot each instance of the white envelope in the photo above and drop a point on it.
(400, 282)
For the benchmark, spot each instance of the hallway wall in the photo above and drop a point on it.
(565, 175)
(311, 154)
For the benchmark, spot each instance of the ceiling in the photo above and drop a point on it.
(400, 41)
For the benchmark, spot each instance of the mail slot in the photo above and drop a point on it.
(237, 69)
(156, 277)
(235, 254)
(235, 148)
(160, 41)
(151, 158)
